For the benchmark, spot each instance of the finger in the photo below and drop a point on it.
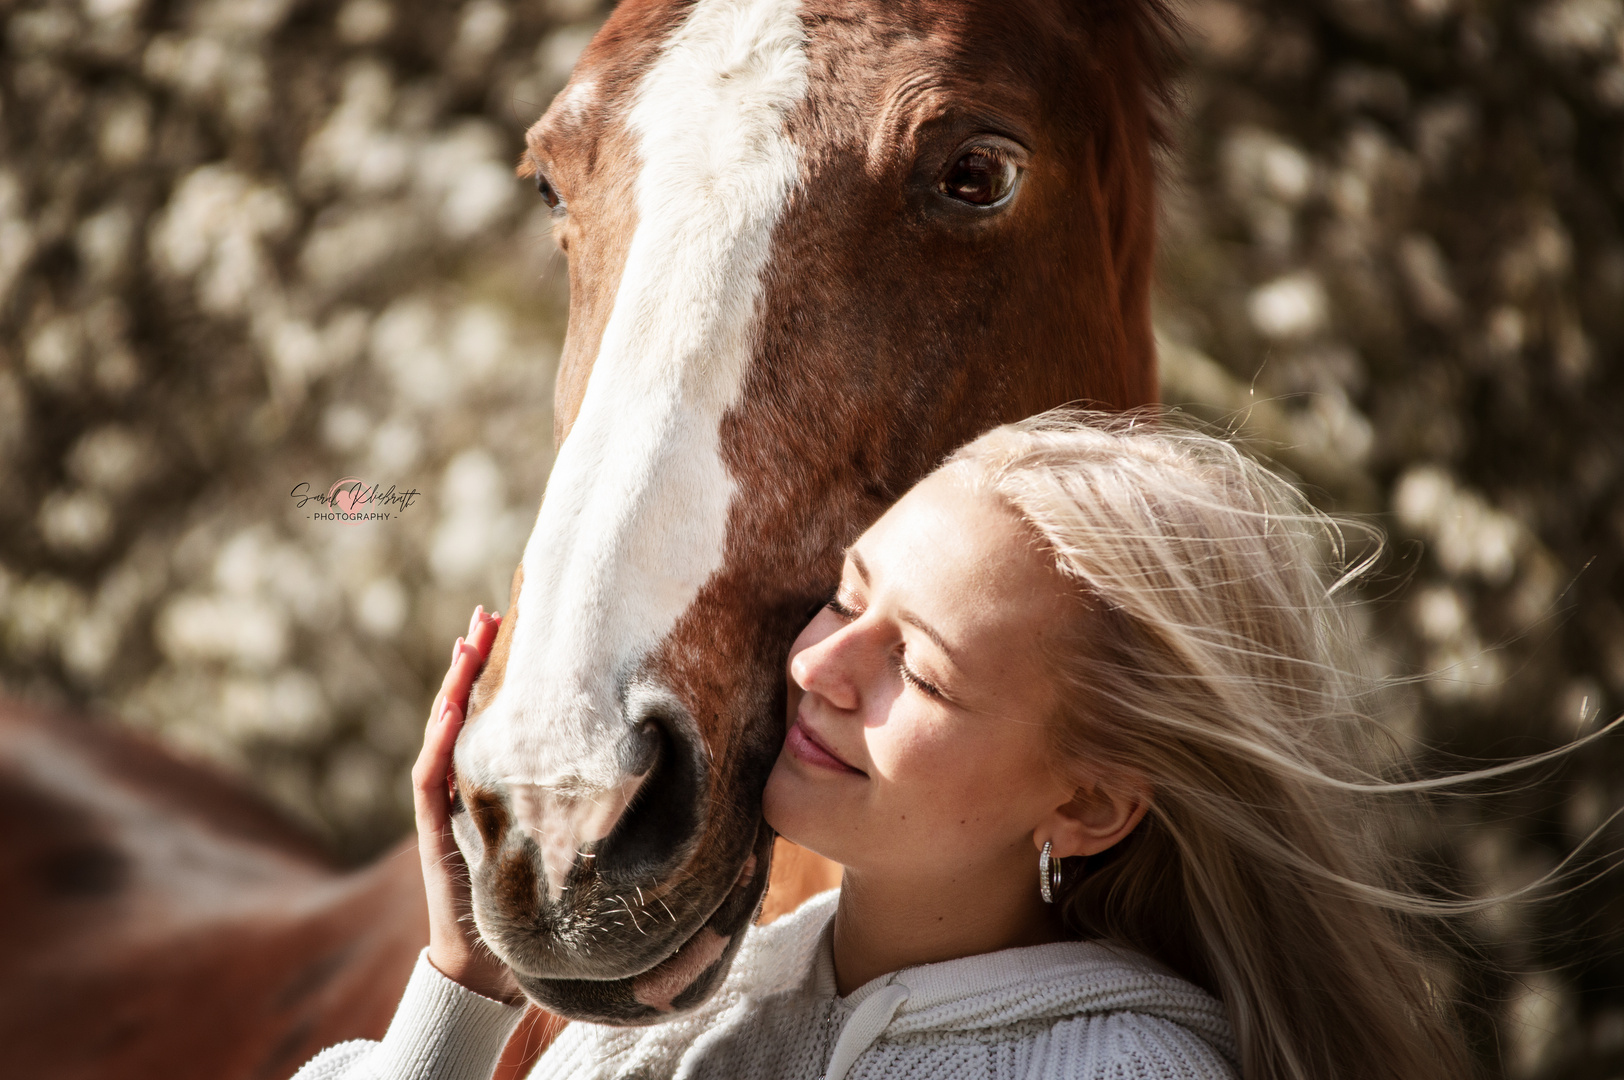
(429, 794)
(451, 666)
(438, 743)
(467, 655)
(475, 646)
(423, 767)
(463, 669)
(483, 635)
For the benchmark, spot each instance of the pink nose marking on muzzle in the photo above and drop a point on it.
(562, 822)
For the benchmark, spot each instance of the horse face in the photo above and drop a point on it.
(813, 247)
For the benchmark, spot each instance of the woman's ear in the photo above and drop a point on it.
(1098, 817)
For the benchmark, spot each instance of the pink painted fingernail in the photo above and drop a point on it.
(456, 650)
(473, 623)
(445, 713)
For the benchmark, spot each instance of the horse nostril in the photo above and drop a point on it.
(490, 816)
(665, 818)
(640, 751)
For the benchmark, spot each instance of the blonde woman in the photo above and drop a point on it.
(1080, 727)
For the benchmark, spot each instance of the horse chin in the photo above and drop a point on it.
(680, 982)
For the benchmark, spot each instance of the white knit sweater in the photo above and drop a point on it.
(1067, 1011)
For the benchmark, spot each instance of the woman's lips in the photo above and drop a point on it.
(805, 746)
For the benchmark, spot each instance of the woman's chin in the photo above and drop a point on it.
(789, 806)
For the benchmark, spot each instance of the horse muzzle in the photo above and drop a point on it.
(608, 879)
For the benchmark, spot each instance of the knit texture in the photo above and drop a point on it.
(1066, 1011)
(441, 1031)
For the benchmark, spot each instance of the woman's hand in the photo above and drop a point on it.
(454, 945)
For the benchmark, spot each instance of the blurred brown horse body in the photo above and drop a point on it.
(156, 920)
(959, 233)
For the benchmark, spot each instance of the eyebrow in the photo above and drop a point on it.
(905, 616)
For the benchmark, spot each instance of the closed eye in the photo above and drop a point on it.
(915, 680)
(840, 607)
(849, 611)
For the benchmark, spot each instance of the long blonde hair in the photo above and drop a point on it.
(1214, 658)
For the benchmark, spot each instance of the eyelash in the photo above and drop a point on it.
(835, 605)
(915, 681)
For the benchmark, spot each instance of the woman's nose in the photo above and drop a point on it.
(825, 668)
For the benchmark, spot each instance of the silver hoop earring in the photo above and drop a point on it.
(1048, 874)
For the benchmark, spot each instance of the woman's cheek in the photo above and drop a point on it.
(943, 766)
(914, 759)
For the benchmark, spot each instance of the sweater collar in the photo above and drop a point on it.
(1048, 982)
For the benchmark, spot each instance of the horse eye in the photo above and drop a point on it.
(979, 178)
(549, 194)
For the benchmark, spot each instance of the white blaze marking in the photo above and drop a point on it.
(634, 519)
(572, 102)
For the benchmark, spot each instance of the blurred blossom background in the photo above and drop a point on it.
(248, 244)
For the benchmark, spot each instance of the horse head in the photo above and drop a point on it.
(812, 248)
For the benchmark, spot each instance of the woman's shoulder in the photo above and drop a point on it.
(1086, 1008)
(1136, 1044)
